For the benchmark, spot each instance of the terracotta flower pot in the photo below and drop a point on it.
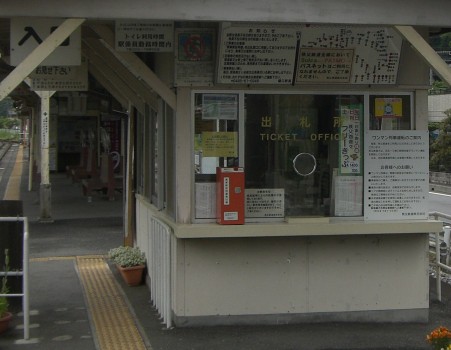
(133, 276)
(4, 322)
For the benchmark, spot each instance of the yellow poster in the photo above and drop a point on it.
(219, 144)
(388, 107)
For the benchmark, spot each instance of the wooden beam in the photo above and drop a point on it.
(107, 78)
(96, 51)
(113, 90)
(426, 52)
(136, 66)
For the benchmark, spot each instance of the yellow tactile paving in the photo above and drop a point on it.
(12, 191)
(113, 322)
(73, 257)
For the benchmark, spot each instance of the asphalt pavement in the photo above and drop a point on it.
(60, 318)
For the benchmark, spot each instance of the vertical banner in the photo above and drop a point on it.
(350, 140)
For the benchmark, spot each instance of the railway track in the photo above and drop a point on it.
(4, 148)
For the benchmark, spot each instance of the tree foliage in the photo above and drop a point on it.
(441, 42)
(7, 121)
(440, 149)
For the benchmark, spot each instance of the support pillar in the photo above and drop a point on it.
(129, 193)
(45, 187)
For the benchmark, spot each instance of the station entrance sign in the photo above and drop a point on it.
(28, 33)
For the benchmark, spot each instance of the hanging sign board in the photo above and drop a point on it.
(144, 36)
(27, 33)
(397, 175)
(60, 78)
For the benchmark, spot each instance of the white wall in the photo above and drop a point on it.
(292, 275)
(437, 105)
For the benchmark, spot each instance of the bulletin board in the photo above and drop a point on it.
(325, 51)
(254, 53)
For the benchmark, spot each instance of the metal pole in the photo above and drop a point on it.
(438, 270)
(446, 238)
(26, 300)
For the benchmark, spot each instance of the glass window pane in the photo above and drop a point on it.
(390, 112)
(216, 133)
(298, 142)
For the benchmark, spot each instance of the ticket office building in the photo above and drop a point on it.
(329, 126)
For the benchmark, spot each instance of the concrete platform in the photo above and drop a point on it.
(62, 319)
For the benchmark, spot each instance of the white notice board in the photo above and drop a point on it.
(144, 36)
(396, 175)
(205, 200)
(348, 195)
(348, 54)
(256, 54)
(265, 202)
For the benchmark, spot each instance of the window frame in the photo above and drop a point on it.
(242, 132)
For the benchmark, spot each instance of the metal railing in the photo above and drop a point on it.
(439, 244)
(23, 273)
(159, 259)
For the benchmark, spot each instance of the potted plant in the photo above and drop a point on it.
(439, 338)
(130, 262)
(5, 315)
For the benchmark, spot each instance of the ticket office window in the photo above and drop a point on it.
(303, 145)
(216, 133)
(216, 144)
(305, 148)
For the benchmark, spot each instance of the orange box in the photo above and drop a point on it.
(230, 196)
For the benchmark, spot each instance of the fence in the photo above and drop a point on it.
(23, 273)
(440, 178)
(439, 245)
(159, 251)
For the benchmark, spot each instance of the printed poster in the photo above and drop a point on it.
(397, 175)
(219, 144)
(195, 58)
(350, 147)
